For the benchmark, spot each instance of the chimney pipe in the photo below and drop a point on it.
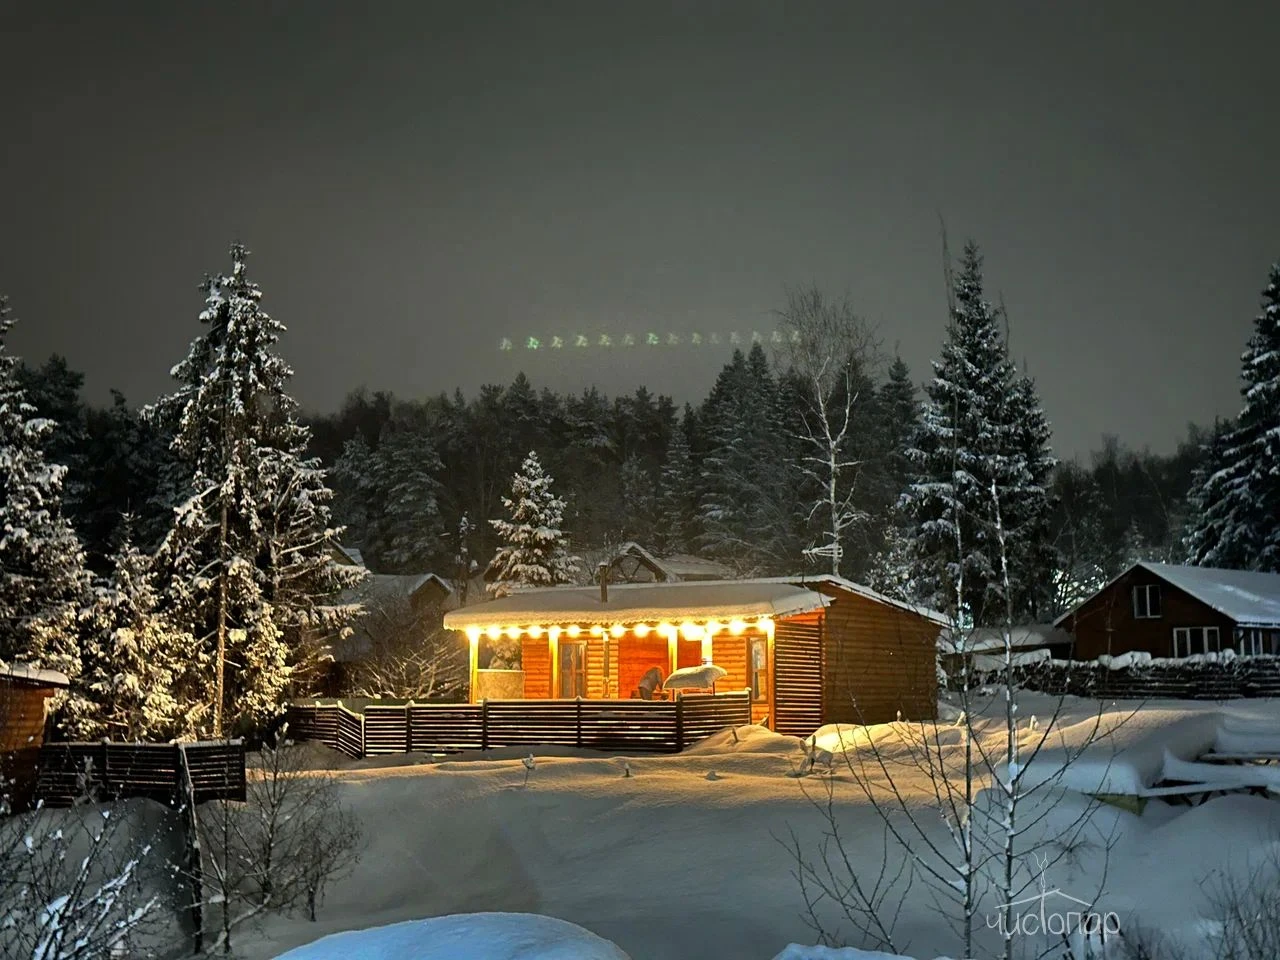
(603, 575)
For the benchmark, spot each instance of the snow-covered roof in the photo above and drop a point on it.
(688, 567)
(640, 603)
(1249, 597)
(380, 587)
(681, 600)
(986, 639)
(35, 675)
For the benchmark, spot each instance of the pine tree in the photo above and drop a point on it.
(981, 427)
(1238, 499)
(43, 582)
(535, 552)
(405, 534)
(247, 564)
(751, 512)
(354, 485)
(677, 508)
(133, 655)
(636, 488)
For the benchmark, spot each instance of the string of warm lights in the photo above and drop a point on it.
(688, 630)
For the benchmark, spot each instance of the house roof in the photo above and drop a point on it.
(986, 639)
(688, 567)
(381, 587)
(682, 600)
(1249, 597)
(677, 566)
(34, 675)
(641, 602)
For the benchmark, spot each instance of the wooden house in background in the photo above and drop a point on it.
(1175, 611)
(810, 650)
(24, 696)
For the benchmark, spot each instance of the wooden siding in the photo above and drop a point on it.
(878, 661)
(535, 658)
(797, 669)
(22, 716)
(733, 654)
(689, 653)
(1105, 622)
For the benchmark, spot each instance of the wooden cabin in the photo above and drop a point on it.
(1174, 611)
(811, 650)
(24, 696)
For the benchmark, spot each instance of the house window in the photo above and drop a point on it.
(1253, 642)
(1146, 602)
(1192, 640)
(759, 661)
(573, 668)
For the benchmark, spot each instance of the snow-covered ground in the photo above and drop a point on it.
(673, 862)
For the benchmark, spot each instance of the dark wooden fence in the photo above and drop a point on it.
(616, 726)
(1238, 678)
(68, 772)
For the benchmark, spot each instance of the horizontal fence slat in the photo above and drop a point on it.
(68, 772)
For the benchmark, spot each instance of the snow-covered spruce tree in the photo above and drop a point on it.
(677, 508)
(43, 581)
(981, 424)
(404, 531)
(534, 551)
(132, 655)
(247, 566)
(829, 348)
(353, 489)
(638, 501)
(752, 510)
(1239, 498)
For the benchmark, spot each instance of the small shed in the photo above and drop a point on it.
(811, 650)
(24, 696)
(1168, 610)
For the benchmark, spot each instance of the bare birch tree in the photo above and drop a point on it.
(832, 349)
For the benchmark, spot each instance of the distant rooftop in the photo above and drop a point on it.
(1249, 597)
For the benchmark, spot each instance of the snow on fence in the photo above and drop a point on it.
(107, 770)
(1136, 677)
(640, 726)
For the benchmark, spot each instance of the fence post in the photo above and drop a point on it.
(408, 728)
(106, 773)
(578, 712)
(679, 723)
(484, 724)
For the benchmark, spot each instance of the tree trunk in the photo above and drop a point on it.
(221, 660)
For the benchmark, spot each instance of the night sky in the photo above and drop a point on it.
(417, 182)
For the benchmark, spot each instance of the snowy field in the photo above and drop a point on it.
(685, 857)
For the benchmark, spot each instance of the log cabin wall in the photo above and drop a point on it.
(1105, 622)
(878, 660)
(733, 654)
(22, 718)
(535, 658)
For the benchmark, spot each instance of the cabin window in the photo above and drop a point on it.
(1146, 601)
(759, 659)
(1192, 640)
(573, 668)
(1252, 642)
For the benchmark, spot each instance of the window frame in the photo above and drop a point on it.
(1146, 594)
(579, 676)
(1183, 635)
(759, 691)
